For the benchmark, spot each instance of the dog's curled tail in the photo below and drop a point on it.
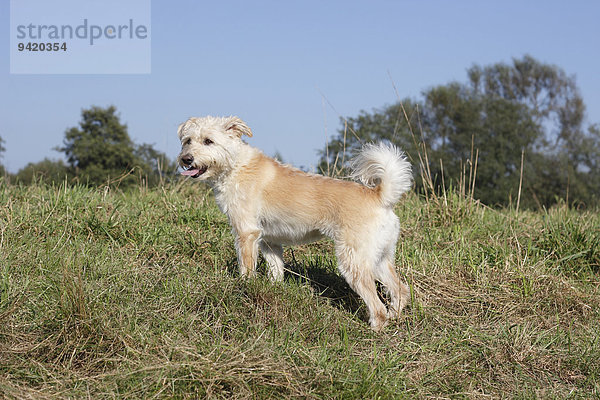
(384, 167)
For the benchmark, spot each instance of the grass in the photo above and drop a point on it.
(105, 294)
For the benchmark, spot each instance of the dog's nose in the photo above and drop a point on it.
(187, 159)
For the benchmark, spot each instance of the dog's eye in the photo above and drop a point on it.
(187, 142)
(208, 142)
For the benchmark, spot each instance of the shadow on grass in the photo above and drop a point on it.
(232, 267)
(320, 275)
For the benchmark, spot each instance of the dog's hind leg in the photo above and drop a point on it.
(273, 254)
(385, 270)
(364, 285)
(359, 276)
(397, 291)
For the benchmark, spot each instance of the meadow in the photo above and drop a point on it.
(135, 294)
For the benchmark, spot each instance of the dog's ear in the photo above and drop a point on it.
(237, 127)
(180, 129)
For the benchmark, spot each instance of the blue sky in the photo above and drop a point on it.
(291, 69)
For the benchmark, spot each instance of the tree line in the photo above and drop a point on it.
(98, 152)
(519, 130)
(509, 126)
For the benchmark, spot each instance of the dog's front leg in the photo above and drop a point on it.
(247, 248)
(273, 254)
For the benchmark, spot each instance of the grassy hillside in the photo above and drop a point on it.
(105, 294)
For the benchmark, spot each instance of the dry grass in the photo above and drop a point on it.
(135, 295)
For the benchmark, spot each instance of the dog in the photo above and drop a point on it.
(270, 205)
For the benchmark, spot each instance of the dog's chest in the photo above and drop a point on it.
(227, 196)
(236, 203)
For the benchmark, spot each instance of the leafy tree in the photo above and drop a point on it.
(388, 123)
(559, 163)
(461, 121)
(551, 97)
(48, 171)
(502, 111)
(100, 150)
(154, 165)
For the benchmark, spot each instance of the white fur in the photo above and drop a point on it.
(270, 205)
(385, 165)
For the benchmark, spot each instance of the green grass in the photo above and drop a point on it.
(106, 294)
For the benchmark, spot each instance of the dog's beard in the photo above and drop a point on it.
(209, 166)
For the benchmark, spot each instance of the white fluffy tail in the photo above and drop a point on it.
(383, 166)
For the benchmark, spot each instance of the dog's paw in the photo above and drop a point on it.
(379, 322)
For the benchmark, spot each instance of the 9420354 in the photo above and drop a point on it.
(43, 46)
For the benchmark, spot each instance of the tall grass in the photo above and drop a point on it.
(135, 294)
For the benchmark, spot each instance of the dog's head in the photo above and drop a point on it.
(209, 145)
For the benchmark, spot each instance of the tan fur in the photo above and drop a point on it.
(269, 205)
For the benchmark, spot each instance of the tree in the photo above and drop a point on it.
(388, 124)
(551, 96)
(154, 165)
(502, 111)
(100, 149)
(560, 161)
(461, 121)
(47, 171)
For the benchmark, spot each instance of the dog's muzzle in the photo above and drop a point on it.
(189, 169)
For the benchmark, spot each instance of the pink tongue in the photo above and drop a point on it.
(190, 172)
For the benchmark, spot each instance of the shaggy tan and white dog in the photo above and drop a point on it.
(270, 205)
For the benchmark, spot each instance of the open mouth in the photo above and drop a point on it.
(194, 172)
